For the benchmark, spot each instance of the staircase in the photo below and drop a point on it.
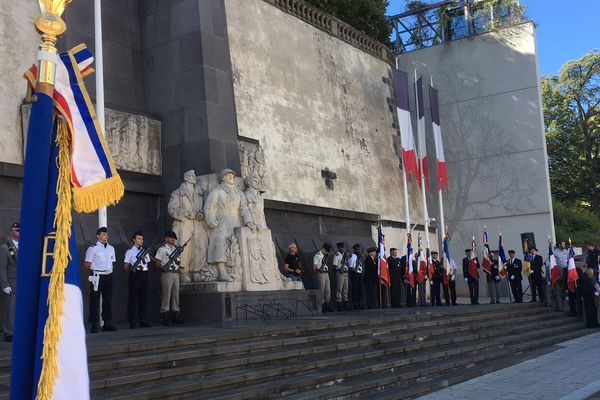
(365, 354)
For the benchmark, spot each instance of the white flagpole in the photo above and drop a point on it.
(423, 190)
(440, 200)
(405, 186)
(102, 215)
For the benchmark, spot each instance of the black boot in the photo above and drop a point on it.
(347, 306)
(165, 318)
(340, 306)
(177, 318)
(94, 327)
(108, 327)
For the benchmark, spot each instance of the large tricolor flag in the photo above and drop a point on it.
(572, 275)
(486, 263)
(383, 269)
(554, 268)
(501, 257)
(423, 162)
(442, 174)
(410, 258)
(409, 153)
(67, 165)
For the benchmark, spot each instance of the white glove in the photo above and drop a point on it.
(466, 279)
(512, 277)
(7, 290)
(452, 278)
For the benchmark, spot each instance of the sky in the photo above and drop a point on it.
(566, 29)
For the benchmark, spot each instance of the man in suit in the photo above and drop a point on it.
(396, 277)
(437, 277)
(471, 273)
(514, 267)
(9, 252)
(535, 279)
(371, 278)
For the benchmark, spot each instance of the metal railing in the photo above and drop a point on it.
(444, 21)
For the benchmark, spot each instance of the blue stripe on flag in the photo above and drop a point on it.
(86, 116)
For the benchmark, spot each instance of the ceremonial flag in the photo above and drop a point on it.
(383, 269)
(442, 174)
(430, 266)
(421, 261)
(409, 261)
(409, 154)
(526, 259)
(447, 265)
(473, 261)
(501, 257)
(572, 275)
(67, 165)
(423, 162)
(486, 263)
(554, 268)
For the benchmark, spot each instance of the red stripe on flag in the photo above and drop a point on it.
(384, 272)
(555, 274)
(410, 163)
(442, 175)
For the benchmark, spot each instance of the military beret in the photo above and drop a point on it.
(102, 229)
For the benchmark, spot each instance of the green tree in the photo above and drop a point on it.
(365, 15)
(572, 122)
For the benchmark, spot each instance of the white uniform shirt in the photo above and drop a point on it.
(131, 258)
(318, 259)
(453, 269)
(352, 262)
(102, 257)
(337, 259)
(15, 243)
(163, 254)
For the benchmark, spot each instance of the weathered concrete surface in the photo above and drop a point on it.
(18, 49)
(315, 102)
(490, 112)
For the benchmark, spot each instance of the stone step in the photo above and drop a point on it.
(263, 349)
(316, 365)
(341, 386)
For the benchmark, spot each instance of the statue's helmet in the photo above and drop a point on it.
(225, 172)
(189, 175)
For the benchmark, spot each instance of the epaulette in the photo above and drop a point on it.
(92, 245)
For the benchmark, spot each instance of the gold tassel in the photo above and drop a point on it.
(62, 224)
(90, 198)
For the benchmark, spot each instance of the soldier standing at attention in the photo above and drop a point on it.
(8, 280)
(322, 270)
(169, 281)
(438, 275)
(514, 268)
(99, 259)
(355, 265)
(396, 278)
(340, 263)
(136, 263)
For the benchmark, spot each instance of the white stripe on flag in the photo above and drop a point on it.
(72, 381)
(439, 146)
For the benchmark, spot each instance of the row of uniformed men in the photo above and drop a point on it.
(100, 259)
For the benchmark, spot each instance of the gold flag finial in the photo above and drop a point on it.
(50, 26)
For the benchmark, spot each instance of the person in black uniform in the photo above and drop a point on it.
(438, 275)
(356, 267)
(514, 267)
(493, 280)
(472, 276)
(396, 277)
(588, 290)
(136, 264)
(536, 281)
(371, 278)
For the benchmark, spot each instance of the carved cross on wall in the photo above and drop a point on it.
(329, 177)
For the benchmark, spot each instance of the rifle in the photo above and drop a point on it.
(302, 260)
(139, 258)
(169, 265)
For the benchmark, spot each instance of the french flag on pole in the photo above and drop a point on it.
(423, 162)
(67, 165)
(554, 268)
(572, 271)
(409, 153)
(384, 271)
(501, 257)
(410, 258)
(437, 136)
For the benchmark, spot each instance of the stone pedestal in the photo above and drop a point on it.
(199, 305)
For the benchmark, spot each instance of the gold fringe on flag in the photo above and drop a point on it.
(107, 192)
(62, 224)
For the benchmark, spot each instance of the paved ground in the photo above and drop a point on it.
(570, 372)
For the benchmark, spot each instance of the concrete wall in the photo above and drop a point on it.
(490, 112)
(315, 102)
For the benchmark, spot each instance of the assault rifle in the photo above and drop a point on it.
(139, 259)
(171, 262)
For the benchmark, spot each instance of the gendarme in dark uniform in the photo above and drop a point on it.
(99, 259)
(9, 252)
(472, 277)
(514, 267)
